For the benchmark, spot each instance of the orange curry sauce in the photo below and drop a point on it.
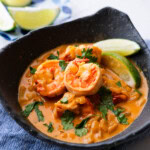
(99, 129)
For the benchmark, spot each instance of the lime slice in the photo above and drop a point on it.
(123, 68)
(121, 46)
(16, 3)
(6, 22)
(30, 18)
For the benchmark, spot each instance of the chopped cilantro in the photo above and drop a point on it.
(53, 56)
(136, 90)
(107, 104)
(104, 110)
(106, 98)
(80, 129)
(87, 54)
(64, 100)
(50, 127)
(67, 119)
(30, 107)
(119, 84)
(39, 113)
(118, 111)
(122, 119)
(120, 116)
(82, 123)
(63, 65)
(32, 70)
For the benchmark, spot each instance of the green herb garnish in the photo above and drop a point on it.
(87, 54)
(50, 127)
(63, 65)
(32, 70)
(82, 123)
(119, 84)
(54, 56)
(39, 113)
(106, 101)
(120, 116)
(29, 108)
(107, 104)
(122, 119)
(136, 90)
(67, 119)
(104, 110)
(64, 100)
(80, 129)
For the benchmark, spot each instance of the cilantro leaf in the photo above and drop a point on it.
(38, 112)
(107, 104)
(64, 100)
(118, 111)
(120, 116)
(63, 65)
(82, 123)
(50, 127)
(66, 120)
(122, 119)
(136, 90)
(53, 56)
(87, 54)
(106, 98)
(80, 129)
(30, 107)
(81, 132)
(104, 110)
(32, 70)
(119, 84)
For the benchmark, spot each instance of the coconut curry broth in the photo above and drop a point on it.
(98, 128)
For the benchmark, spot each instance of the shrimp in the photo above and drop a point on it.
(76, 104)
(72, 51)
(83, 78)
(48, 79)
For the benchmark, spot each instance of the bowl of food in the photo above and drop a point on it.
(81, 84)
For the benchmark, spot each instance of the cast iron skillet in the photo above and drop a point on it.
(105, 24)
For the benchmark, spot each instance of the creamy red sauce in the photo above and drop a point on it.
(99, 129)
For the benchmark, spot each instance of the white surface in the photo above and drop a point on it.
(138, 11)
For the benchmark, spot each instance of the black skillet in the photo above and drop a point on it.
(105, 24)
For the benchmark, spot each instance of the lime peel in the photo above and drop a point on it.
(6, 21)
(16, 3)
(123, 47)
(123, 68)
(30, 18)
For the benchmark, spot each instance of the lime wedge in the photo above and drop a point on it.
(121, 46)
(123, 68)
(6, 22)
(30, 18)
(16, 3)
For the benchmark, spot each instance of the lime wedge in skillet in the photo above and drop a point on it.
(121, 46)
(123, 68)
(6, 22)
(30, 18)
(16, 3)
